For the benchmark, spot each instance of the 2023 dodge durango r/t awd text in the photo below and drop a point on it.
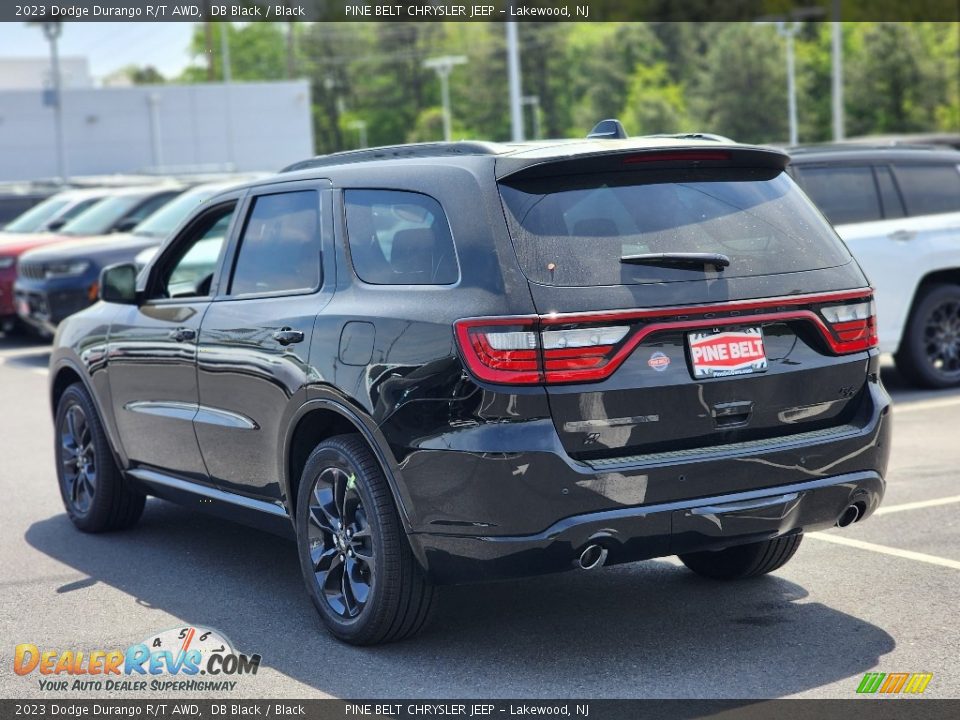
(458, 362)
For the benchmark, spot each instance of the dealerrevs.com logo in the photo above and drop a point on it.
(187, 659)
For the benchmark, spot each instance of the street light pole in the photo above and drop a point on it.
(361, 127)
(513, 71)
(443, 66)
(52, 30)
(839, 131)
(788, 31)
(534, 102)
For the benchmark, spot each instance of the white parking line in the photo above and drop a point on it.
(886, 550)
(925, 404)
(917, 505)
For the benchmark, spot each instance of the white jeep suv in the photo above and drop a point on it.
(898, 210)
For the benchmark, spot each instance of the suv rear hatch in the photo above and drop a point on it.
(685, 298)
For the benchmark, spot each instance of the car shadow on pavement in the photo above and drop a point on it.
(642, 630)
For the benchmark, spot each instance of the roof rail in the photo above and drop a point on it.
(397, 152)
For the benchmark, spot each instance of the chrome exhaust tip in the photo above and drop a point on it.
(849, 517)
(593, 556)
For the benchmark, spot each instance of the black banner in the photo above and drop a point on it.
(476, 10)
(854, 709)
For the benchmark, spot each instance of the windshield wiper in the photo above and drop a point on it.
(680, 259)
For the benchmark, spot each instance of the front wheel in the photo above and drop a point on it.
(95, 493)
(359, 570)
(743, 561)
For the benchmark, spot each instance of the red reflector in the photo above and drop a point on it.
(678, 156)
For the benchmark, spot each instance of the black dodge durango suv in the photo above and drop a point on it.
(457, 362)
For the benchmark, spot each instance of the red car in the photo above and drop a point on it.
(121, 211)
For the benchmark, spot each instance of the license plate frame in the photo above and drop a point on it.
(726, 353)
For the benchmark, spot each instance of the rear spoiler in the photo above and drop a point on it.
(602, 158)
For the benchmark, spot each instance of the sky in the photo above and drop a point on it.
(108, 46)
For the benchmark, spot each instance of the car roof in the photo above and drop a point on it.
(861, 152)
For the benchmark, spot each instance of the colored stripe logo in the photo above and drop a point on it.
(893, 683)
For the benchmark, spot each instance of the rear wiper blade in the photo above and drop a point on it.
(680, 259)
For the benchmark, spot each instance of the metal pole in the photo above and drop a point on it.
(513, 70)
(227, 77)
(445, 99)
(791, 89)
(839, 131)
(52, 32)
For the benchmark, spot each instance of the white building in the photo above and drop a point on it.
(157, 128)
(34, 73)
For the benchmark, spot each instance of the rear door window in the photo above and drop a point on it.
(845, 194)
(573, 230)
(889, 195)
(280, 245)
(929, 189)
(399, 238)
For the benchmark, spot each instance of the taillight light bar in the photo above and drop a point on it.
(582, 347)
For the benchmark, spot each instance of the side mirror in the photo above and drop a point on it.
(56, 224)
(118, 284)
(126, 225)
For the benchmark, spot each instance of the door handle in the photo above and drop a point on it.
(288, 336)
(183, 334)
(902, 235)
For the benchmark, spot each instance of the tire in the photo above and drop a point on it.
(95, 494)
(743, 561)
(929, 354)
(360, 574)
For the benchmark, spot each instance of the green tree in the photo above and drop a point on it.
(655, 103)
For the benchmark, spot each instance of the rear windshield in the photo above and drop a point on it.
(573, 230)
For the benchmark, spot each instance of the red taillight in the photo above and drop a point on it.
(852, 326)
(516, 351)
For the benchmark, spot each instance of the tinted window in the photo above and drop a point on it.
(573, 230)
(150, 205)
(892, 204)
(280, 247)
(929, 189)
(102, 216)
(165, 220)
(399, 238)
(843, 194)
(190, 271)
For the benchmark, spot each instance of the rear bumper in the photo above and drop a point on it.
(642, 533)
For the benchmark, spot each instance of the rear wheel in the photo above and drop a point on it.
(95, 493)
(357, 565)
(743, 561)
(929, 353)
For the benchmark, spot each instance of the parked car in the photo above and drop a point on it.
(463, 361)
(121, 211)
(60, 279)
(17, 198)
(54, 212)
(898, 210)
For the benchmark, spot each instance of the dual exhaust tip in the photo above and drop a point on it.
(850, 515)
(592, 557)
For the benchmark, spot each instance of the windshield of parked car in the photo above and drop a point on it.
(102, 217)
(38, 216)
(574, 230)
(165, 220)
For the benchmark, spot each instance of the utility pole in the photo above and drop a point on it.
(52, 30)
(443, 66)
(513, 71)
(839, 131)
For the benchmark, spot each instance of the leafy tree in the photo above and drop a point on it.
(655, 104)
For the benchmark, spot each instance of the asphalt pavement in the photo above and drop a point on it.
(879, 596)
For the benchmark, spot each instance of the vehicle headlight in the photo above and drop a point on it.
(68, 269)
(7, 262)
